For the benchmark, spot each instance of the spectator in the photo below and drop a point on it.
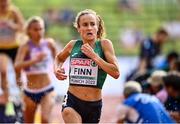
(156, 85)
(66, 16)
(131, 37)
(129, 5)
(141, 108)
(151, 47)
(169, 63)
(142, 72)
(172, 85)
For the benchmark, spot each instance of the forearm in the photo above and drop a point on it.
(58, 62)
(24, 64)
(57, 65)
(58, 70)
(111, 69)
(16, 26)
(4, 86)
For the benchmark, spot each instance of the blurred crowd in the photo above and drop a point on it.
(158, 77)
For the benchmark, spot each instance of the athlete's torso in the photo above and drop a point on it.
(43, 66)
(83, 70)
(38, 74)
(7, 33)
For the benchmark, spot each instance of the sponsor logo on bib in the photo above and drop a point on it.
(83, 72)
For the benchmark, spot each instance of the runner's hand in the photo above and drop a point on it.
(60, 74)
(88, 50)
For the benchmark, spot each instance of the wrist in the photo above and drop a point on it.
(58, 65)
(95, 58)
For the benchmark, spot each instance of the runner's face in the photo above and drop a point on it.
(36, 31)
(88, 27)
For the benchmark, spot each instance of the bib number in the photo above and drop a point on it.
(83, 72)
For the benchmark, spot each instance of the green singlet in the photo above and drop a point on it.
(83, 70)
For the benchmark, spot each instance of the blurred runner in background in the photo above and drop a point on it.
(35, 58)
(11, 23)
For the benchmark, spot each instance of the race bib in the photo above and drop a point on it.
(83, 72)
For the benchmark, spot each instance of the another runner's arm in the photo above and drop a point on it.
(19, 20)
(20, 63)
(22, 51)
